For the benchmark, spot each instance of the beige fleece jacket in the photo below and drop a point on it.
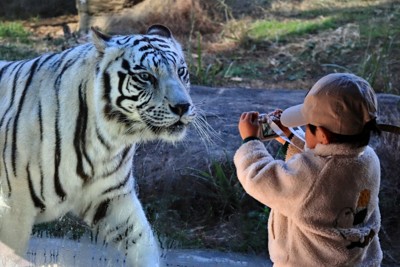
(324, 203)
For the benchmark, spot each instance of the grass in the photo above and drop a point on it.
(203, 74)
(224, 189)
(212, 211)
(16, 52)
(14, 31)
(276, 30)
(14, 42)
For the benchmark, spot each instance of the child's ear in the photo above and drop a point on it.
(323, 135)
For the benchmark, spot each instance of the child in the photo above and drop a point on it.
(324, 201)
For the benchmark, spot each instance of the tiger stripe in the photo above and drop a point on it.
(36, 200)
(80, 137)
(18, 113)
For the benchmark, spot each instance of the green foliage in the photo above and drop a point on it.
(380, 40)
(13, 52)
(281, 30)
(375, 68)
(216, 204)
(201, 72)
(225, 190)
(247, 69)
(13, 30)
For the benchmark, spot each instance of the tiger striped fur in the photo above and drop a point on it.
(69, 123)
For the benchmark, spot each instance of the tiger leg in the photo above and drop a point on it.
(16, 222)
(121, 221)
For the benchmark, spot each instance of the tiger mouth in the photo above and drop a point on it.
(177, 127)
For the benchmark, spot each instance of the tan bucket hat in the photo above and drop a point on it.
(340, 102)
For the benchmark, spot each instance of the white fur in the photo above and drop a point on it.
(45, 132)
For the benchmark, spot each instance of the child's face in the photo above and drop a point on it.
(311, 139)
(319, 137)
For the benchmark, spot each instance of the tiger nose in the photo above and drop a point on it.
(180, 109)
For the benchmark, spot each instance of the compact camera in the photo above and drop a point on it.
(266, 126)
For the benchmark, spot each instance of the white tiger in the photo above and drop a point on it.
(69, 122)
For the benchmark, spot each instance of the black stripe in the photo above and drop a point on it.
(123, 156)
(97, 234)
(16, 120)
(134, 85)
(122, 77)
(144, 103)
(185, 77)
(155, 62)
(4, 157)
(138, 67)
(118, 227)
(146, 47)
(118, 186)
(124, 234)
(16, 76)
(4, 69)
(120, 117)
(133, 241)
(57, 151)
(36, 200)
(107, 87)
(164, 46)
(50, 56)
(137, 80)
(17, 64)
(57, 155)
(101, 211)
(84, 50)
(124, 40)
(87, 158)
(122, 98)
(41, 182)
(108, 110)
(125, 65)
(102, 139)
(66, 66)
(40, 120)
(86, 210)
(142, 58)
(60, 60)
(57, 146)
(156, 40)
(80, 137)
(171, 58)
(137, 41)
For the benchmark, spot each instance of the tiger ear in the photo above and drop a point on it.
(100, 39)
(160, 30)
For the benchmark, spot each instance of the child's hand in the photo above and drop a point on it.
(249, 125)
(277, 113)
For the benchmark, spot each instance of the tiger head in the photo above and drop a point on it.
(144, 84)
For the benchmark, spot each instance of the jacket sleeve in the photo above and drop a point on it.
(275, 183)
